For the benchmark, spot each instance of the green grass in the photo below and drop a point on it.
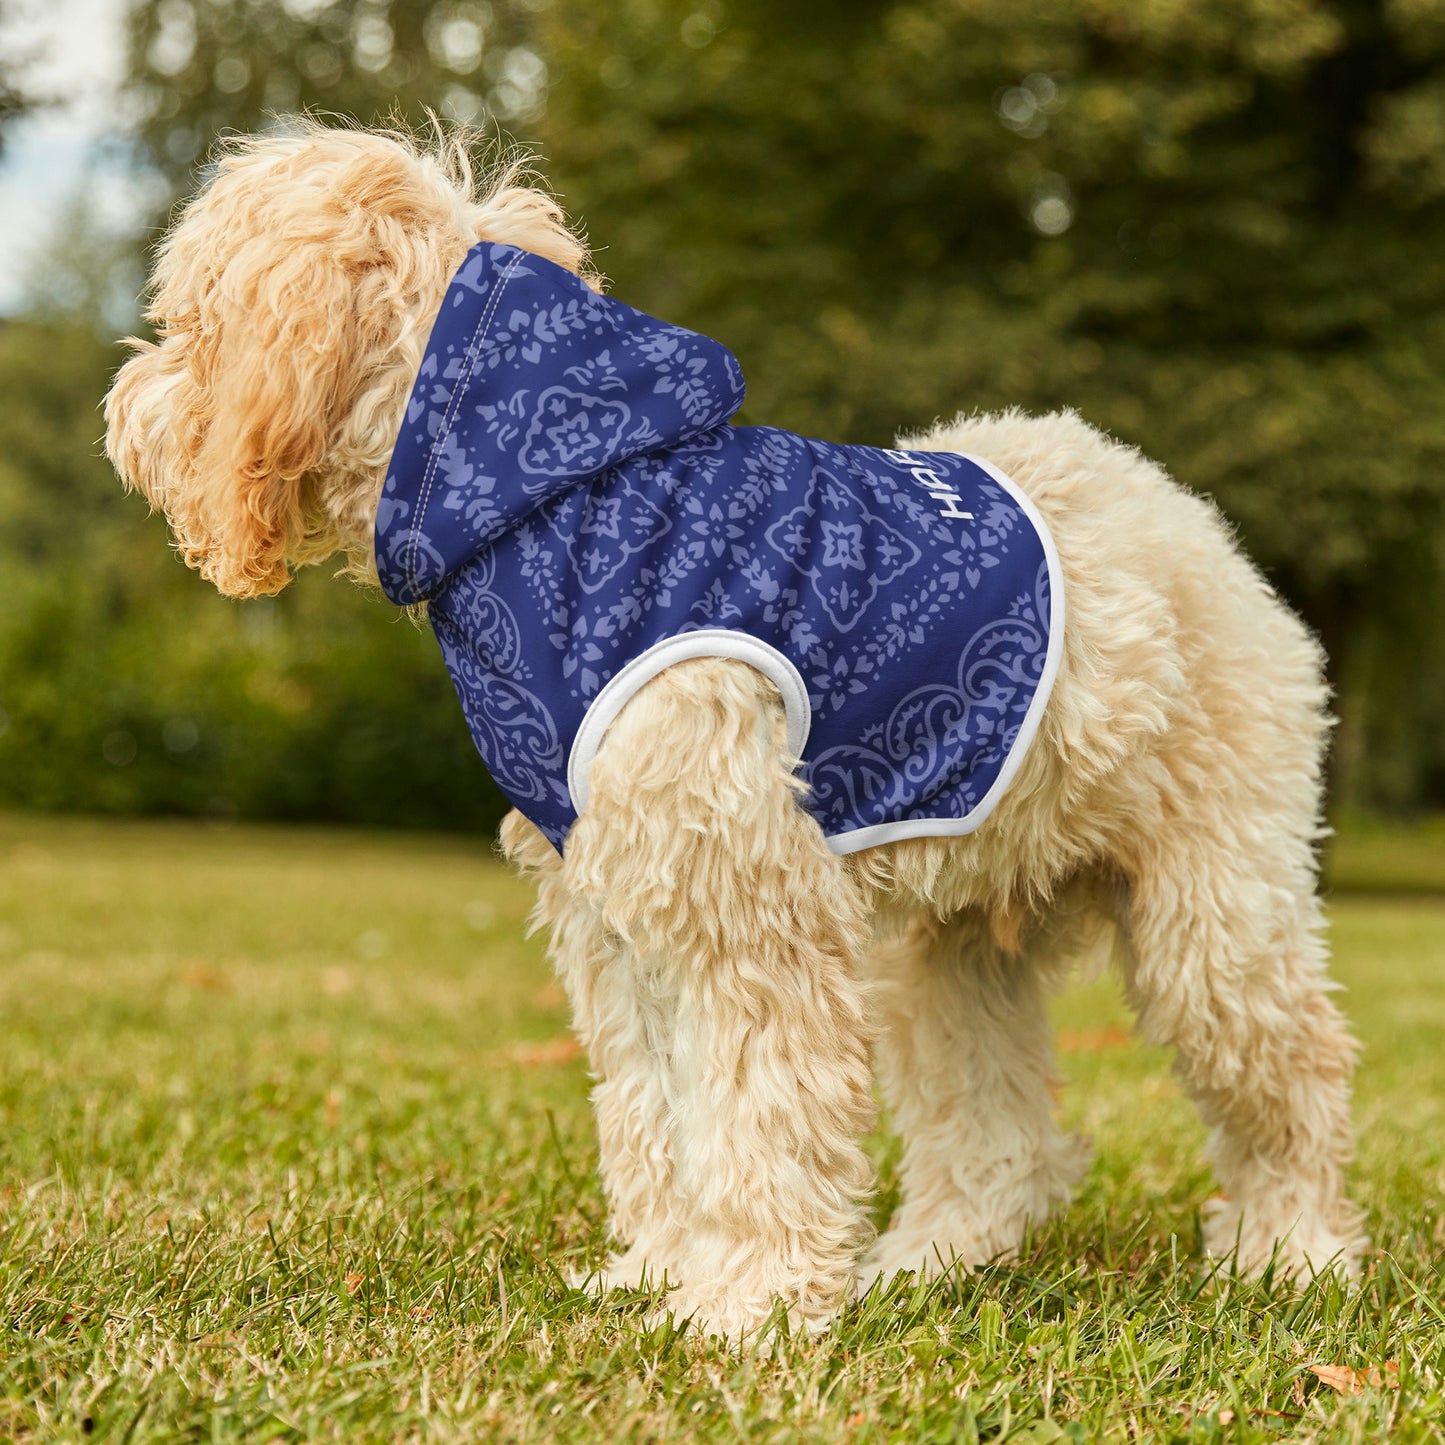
(284, 1155)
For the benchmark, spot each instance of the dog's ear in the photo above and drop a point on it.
(226, 422)
(276, 353)
(291, 301)
(223, 422)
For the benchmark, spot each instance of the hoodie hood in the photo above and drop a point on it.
(532, 384)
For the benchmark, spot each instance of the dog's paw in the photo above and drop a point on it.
(928, 1254)
(1299, 1245)
(965, 1228)
(741, 1323)
(925, 1261)
(633, 1270)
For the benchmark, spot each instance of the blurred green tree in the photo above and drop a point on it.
(1215, 227)
(199, 68)
(127, 685)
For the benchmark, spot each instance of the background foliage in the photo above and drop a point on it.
(1215, 227)
(14, 99)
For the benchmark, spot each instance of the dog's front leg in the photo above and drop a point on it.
(743, 931)
(622, 1013)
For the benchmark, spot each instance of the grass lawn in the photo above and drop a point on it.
(293, 1146)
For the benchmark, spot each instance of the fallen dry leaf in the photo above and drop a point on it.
(354, 1283)
(197, 973)
(561, 1050)
(1090, 1041)
(1346, 1381)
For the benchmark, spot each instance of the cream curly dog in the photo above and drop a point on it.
(731, 975)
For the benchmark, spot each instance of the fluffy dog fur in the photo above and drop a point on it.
(731, 982)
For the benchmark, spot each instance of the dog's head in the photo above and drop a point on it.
(292, 301)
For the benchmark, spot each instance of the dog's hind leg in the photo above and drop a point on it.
(1228, 966)
(966, 1059)
(696, 855)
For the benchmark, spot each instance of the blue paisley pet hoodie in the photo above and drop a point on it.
(569, 497)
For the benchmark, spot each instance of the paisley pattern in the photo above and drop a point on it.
(845, 551)
(571, 434)
(567, 493)
(931, 757)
